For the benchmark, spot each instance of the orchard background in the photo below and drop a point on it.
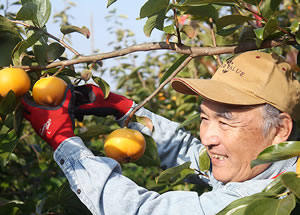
(196, 36)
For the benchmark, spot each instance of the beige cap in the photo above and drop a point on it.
(249, 78)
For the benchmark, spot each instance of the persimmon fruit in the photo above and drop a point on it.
(49, 91)
(125, 145)
(15, 79)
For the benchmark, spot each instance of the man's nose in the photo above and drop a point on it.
(210, 140)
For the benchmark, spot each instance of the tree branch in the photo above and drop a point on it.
(184, 64)
(213, 36)
(180, 49)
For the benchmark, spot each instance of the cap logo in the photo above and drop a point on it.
(229, 66)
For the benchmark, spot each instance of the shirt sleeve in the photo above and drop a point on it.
(175, 146)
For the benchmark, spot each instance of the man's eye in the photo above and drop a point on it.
(203, 118)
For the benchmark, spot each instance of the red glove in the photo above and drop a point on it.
(90, 101)
(53, 124)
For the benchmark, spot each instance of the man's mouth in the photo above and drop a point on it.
(219, 157)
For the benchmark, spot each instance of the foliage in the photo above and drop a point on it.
(31, 182)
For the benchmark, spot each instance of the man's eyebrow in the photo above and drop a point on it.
(225, 114)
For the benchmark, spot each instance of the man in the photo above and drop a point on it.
(248, 105)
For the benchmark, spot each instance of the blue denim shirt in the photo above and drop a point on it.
(99, 184)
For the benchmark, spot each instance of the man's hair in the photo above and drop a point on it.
(272, 118)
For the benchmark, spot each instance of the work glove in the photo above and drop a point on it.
(53, 124)
(90, 101)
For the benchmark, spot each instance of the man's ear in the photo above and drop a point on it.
(283, 130)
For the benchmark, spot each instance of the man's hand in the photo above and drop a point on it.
(90, 101)
(53, 124)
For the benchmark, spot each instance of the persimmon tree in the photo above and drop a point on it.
(197, 35)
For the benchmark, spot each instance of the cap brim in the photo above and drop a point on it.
(214, 90)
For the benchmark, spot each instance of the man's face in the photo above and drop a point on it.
(233, 137)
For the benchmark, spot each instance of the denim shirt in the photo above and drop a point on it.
(99, 184)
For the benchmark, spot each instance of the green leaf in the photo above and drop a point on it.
(150, 157)
(278, 152)
(27, 12)
(225, 21)
(152, 7)
(292, 182)
(270, 7)
(202, 2)
(203, 12)
(8, 103)
(43, 11)
(190, 120)
(94, 132)
(239, 206)
(55, 50)
(103, 85)
(174, 66)
(275, 187)
(170, 175)
(8, 143)
(294, 26)
(188, 30)
(272, 206)
(67, 29)
(204, 160)
(170, 29)
(298, 39)
(22, 46)
(225, 32)
(9, 37)
(40, 53)
(155, 21)
(110, 2)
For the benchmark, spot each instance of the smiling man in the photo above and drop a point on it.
(248, 105)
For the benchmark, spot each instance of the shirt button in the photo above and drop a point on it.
(62, 161)
(78, 191)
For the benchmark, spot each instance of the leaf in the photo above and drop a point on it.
(67, 29)
(202, 2)
(294, 26)
(298, 40)
(103, 85)
(94, 132)
(43, 11)
(292, 182)
(272, 206)
(172, 68)
(278, 152)
(275, 187)
(40, 53)
(110, 2)
(9, 37)
(8, 103)
(150, 157)
(231, 20)
(239, 206)
(8, 143)
(170, 29)
(155, 21)
(202, 12)
(152, 7)
(145, 121)
(270, 28)
(190, 120)
(189, 31)
(228, 31)
(270, 7)
(22, 46)
(170, 175)
(55, 50)
(204, 160)
(27, 12)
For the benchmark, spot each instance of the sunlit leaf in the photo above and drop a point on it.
(275, 187)
(229, 20)
(42, 13)
(278, 152)
(204, 160)
(175, 65)
(152, 7)
(170, 29)
(239, 206)
(103, 85)
(294, 26)
(155, 21)
(110, 2)
(189, 31)
(67, 29)
(145, 121)
(170, 175)
(202, 12)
